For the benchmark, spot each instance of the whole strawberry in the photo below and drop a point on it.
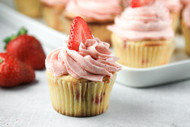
(27, 49)
(13, 72)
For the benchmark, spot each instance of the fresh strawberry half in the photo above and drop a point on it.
(79, 33)
(140, 3)
(27, 49)
(13, 72)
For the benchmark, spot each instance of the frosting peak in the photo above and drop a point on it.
(150, 22)
(92, 61)
(95, 9)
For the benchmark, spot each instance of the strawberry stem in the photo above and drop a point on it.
(21, 31)
(1, 60)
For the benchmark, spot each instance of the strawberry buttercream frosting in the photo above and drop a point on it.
(97, 9)
(173, 5)
(150, 22)
(93, 61)
(53, 2)
(186, 15)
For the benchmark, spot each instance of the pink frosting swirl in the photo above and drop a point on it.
(150, 22)
(173, 5)
(93, 61)
(97, 9)
(55, 2)
(186, 15)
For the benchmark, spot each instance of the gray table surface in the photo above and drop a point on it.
(162, 106)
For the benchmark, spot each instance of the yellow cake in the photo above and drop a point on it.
(79, 97)
(142, 54)
(175, 20)
(186, 34)
(52, 15)
(185, 25)
(29, 7)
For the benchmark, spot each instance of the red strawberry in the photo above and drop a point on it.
(27, 49)
(140, 3)
(14, 72)
(79, 33)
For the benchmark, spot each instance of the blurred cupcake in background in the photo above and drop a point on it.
(174, 7)
(185, 24)
(97, 13)
(142, 36)
(52, 11)
(31, 8)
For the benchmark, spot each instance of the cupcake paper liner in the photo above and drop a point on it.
(175, 21)
(101, 31)
(81, 97)
(142, 54)
(186, 34)
(29, 7)
(53, 18)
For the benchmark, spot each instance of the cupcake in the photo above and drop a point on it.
(185, 24)
(52, 11)
(142, 35)
(97, 13)
(82, 74)
(174, 7)
(29, 7)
